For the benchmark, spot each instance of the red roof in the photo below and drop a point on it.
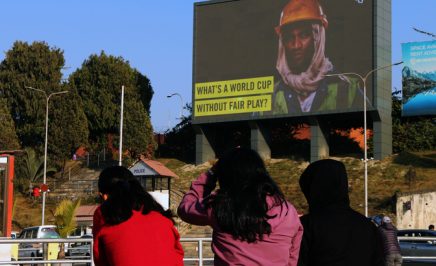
(159, 168)
(86, 210)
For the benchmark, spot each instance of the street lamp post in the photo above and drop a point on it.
(47, 97)
(181, 102)
(365, 156)
(120, 156)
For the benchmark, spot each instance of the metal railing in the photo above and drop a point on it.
(199, 241)
(40, 246)
(40, 251)
(418, 240)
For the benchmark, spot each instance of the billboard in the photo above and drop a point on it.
(419, 78)
(268, 59)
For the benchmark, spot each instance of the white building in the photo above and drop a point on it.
(416, 211)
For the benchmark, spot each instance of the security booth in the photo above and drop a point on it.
(155, 178)
(6, 193)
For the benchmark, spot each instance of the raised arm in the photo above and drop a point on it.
(192, 208)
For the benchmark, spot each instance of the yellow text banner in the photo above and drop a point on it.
(236, 105)
(236, 87)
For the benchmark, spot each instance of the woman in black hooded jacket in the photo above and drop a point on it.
(335, 234)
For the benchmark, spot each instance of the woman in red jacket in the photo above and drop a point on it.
(131, 228)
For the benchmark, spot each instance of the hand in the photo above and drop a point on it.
(212, 170)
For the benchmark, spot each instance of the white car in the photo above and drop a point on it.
(82, 250)
(30, 251)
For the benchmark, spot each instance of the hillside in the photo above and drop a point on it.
(386, 178)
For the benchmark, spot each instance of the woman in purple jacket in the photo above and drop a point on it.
(252, 222)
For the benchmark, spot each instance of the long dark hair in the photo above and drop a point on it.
(125, 194)
(240, 205)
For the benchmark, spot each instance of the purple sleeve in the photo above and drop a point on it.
(192, 208)
(294, 251)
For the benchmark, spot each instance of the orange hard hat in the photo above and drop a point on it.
(301, 10)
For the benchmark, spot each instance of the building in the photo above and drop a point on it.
(416, 211)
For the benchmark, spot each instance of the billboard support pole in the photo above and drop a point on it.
(259, 140)
(365, 135)
(203, 144)
(319, 148)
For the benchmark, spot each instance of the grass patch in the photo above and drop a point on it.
(386, 178)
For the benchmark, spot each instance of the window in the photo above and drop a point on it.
(49, 233)
(33, 233)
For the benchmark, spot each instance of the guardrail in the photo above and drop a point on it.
(44, 259)
(42, 245)
(418, 239)
(199, 240)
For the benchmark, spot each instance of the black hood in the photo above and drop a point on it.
(325, 184)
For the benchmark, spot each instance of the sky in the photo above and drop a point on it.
(156, 37)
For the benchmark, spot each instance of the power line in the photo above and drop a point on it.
(424, 32)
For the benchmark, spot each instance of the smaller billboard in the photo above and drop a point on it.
(419, 78)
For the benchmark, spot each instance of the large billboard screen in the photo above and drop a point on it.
(419, 78)
(267, 59)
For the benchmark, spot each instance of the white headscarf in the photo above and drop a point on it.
(306, 82)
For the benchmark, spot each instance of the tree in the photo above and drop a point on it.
(138, 132)
(145, 90)
(36, 65)
(68, 127)
(99, 82)
(411, 133)
(180, 140)
(33, 167)
(65, 221)
(8, 136)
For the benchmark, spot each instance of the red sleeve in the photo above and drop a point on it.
(97, 225)
(192, 208)
(97, 221)
(178, 248)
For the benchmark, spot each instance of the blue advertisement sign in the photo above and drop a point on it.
(419, 78)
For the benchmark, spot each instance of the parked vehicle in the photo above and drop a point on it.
(418, 247)
(82, 250)
(14, 234)
(30, 251)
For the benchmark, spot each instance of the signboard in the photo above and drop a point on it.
(419, 78)
(141, 169)
(265, 59)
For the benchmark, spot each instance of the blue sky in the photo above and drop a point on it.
(155, 37)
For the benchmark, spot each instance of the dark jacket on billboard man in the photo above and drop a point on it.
(302, 64)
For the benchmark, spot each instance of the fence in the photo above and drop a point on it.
(200, 251)
(97, 159)
(423, 245)
(44, 251)
(83, 254)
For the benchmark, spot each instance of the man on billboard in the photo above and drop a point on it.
(303, 65)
